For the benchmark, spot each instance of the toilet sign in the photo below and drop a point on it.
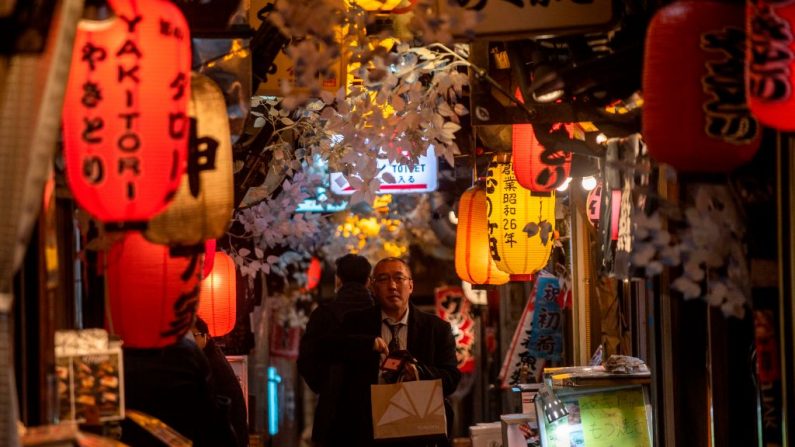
(419, 178)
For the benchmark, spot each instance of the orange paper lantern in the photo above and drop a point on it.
(153, 294)
(218, 299)
(521, 222)
(125, 118)
(473, 263)
(538, 168)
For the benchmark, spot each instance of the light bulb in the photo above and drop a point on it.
(588, 183)
(601, 138)
(565, 185)
(453, 218)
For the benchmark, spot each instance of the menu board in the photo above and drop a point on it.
(600, 418)
(90, 380)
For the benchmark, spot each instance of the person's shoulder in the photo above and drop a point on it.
(424, 317)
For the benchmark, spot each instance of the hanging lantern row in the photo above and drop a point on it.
(473, 263)
(125, 119)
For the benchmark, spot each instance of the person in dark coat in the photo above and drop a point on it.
(173, 385)
(224, 382)
(324, 375)
(368, 336)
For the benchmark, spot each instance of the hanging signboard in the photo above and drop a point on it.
(515, 19)
(408, 179)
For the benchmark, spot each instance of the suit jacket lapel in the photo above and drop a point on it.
(413, 335)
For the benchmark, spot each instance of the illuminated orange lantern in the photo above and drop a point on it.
(313, 273)
(218, 298)
(695, 116)
(538, 168)
(521, 222)
(473, 263)
(125, 116)
(153, 294)
(769, 62)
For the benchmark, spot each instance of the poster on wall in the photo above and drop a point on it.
(90, 377)
(453, 307)
(600, 418)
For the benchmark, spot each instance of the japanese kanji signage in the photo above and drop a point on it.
(125, 118)
(521, 222)
(546, 338)
(408, 179)
(453, 307)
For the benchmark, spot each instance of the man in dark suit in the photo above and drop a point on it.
(324, 375)
(393, 324)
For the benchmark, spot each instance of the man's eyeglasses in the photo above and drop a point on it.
(199, 334)
(384, 279)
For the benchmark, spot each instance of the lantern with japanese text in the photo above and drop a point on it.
(202, 207)
(473, 263)
(521, 223)
(125, 120)
(153, 293)
(539, 168)
(695, 115)
(218, 296)
(769, 62)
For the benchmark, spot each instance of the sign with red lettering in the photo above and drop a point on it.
(125, 116)
(453, 307)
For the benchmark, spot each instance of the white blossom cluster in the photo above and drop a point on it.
(274, 223)
(709, 247)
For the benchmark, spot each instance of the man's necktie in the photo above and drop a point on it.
(394, 343)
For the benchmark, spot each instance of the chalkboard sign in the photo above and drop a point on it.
(600, 418)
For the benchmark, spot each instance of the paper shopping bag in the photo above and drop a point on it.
(408, 410)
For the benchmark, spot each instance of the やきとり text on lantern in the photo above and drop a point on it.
(125, 116)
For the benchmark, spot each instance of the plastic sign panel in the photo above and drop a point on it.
(419, 178)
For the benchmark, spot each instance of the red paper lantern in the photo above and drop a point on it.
(125, 118)
(153, 294)
(536, 167)
(209, 257)
(218, 298)
(769, 56)
(313, 273)
(695, 116)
